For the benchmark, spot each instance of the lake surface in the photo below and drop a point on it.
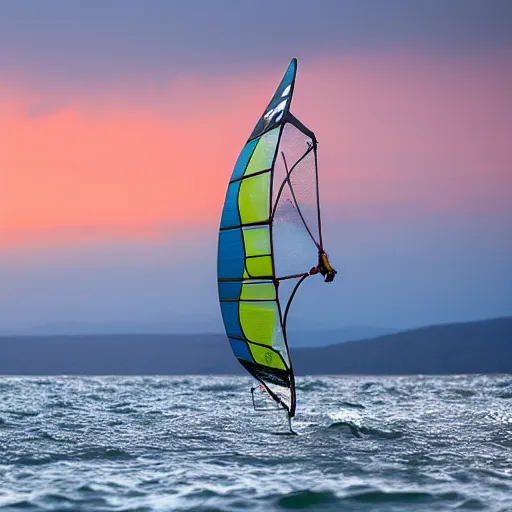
(194, 443)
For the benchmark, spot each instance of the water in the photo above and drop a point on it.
(193, 443)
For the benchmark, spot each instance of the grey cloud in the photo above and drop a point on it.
(95, 41)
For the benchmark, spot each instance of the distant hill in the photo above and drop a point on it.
(316, 337)
(322, 338)
(113, 354)
(473, 347)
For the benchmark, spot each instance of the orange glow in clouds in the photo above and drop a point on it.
(432, 134)
(104, 168)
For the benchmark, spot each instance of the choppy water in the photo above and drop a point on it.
(193, 443)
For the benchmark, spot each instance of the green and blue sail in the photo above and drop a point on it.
(248, 285)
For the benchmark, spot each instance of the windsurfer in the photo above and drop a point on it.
(324, 267)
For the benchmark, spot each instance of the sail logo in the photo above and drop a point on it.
(276, 112)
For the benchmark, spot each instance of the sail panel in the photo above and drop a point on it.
(257, 241)
(278, 382)
(263, 155)
(243, 159)
(241, 350)
(267, 358)
(259, 290)
(259, 267)
(230, 215)
(254, 199)
(303, 182)
(279, 104)
(231, 290)
(293, 146)
(231, 255)
(259, 320)
(231, 318)
(296, 237)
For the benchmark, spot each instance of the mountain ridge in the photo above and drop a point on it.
(483, 346)
(298, 337)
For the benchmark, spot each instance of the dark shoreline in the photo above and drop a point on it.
(464, 348)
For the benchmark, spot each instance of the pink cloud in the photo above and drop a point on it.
(397, 134)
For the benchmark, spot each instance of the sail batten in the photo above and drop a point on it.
(269, 234)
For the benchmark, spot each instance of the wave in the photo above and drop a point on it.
(352, 405)
(123, 410)
(18, 505)
(377, 496)
(314, 385)
(464, 393)
(361, 431)
(318, 500)
(219, 387)
(21, 414)
(56, 501)
(352, 427)
(85, 455)
(306, 499)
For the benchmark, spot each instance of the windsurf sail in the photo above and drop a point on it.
(270, 241)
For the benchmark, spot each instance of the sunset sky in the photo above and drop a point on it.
(120, 123)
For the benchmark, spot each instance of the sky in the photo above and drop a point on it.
(120, 123)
